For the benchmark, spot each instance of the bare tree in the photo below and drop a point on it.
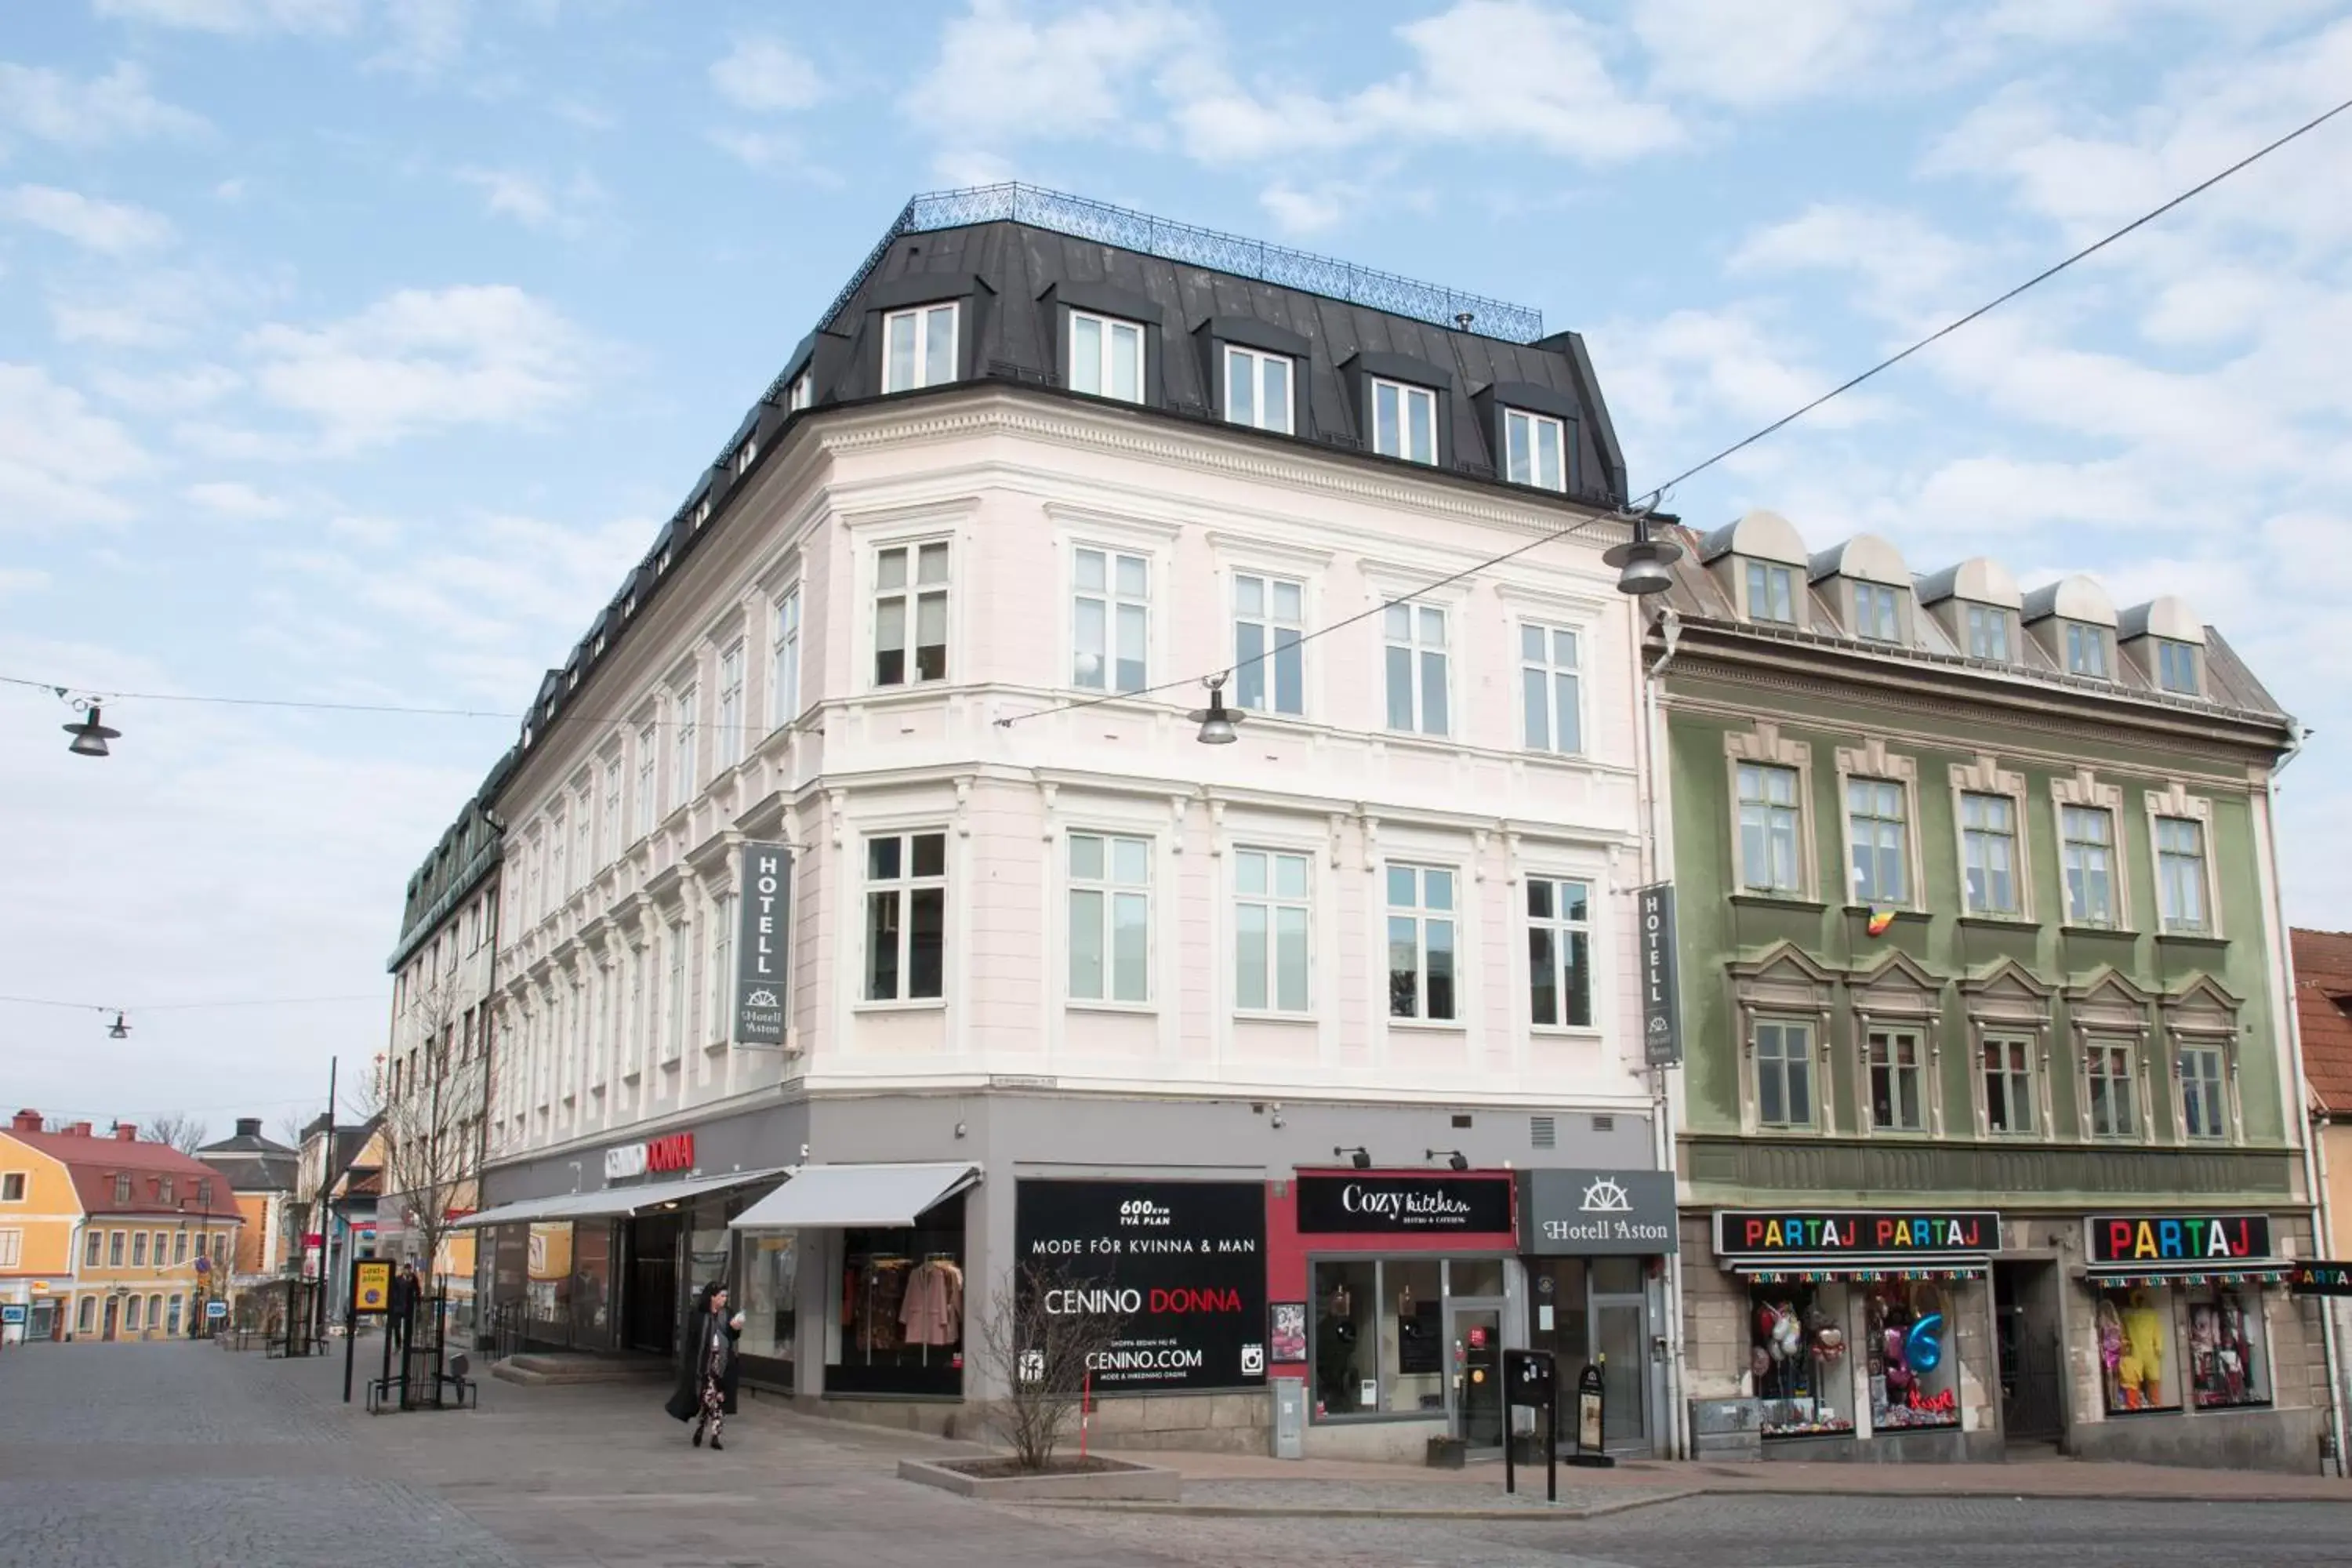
(429, 1090)
(290, 1128)
(181, 1131)
(1040, 1359)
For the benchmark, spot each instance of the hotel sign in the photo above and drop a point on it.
(1828, 1232)
(764, 943)
(1661, 1008)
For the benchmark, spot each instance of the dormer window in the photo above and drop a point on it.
(1877, 613)
(1258, 389)
(919, 347)
(1106, 357)
(1772, 594)
(1988, 628)
(701, 512)
(1404, 421)
(1535, 448)
(746, 455)
(804, 391)
(2086, 650)
(2176, 667)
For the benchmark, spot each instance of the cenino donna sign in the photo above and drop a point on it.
(1583, 1213)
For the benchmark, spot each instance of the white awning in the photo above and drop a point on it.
(867, 1196)
(607, 1202)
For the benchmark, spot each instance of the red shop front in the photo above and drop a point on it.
(1390, 1295)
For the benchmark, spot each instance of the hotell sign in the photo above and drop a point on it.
(1745, 1232)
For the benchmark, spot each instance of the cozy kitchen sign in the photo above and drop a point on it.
(1412, 1203)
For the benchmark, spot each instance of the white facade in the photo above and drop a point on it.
(707, 726)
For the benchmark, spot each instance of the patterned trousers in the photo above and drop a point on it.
(714, 1407)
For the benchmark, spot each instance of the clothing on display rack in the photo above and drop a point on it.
(933, 1312)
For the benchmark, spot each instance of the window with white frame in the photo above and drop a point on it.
(1880, 833)
(1535, 449)
(919, 347)
(1771, 828)
(2006, 1063)
(731, 705)
(1897, 1101)
(1269, 667)
(583, 837)
(1258, 389)
(2204, 1091)
(1772, 594)
(12, 1187)
(804, 391)
(1416, 668)
(674, 1020)
(138, 1249)
(609, 832)
(1988, 854)
(1784, 1073)
(747, 454)
(1877, 613)
(1987, 627)
(784, 678)
(1110, 612)
(1559, 952)
(682, 718)
(1106, 356)
(2086, 649)
(12, 1248)
(1421, 942)
(1271, 918)
(114, 1244)
(85, 1315)
(720, 996)
(648, 807)
(905, 917)
(560, 874)
(2181, 874)
(1551, 700)
(910, 614)
(1110, 918)
(2087, 855)
(1404, 421)
(2175, 666)
(91, 1243)
(2113, 1096)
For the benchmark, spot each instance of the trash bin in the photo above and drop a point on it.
(1289, 1418)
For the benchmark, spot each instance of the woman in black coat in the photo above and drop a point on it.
(706, 1374)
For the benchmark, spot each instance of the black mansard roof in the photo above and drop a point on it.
(1015, 260)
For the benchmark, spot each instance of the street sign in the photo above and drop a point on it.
(216, 1311)
(12, 1314)
(203, 1264)
(371, 1286)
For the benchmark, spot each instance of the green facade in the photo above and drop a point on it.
(1714, 696)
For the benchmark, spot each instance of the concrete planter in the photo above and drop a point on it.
(1108, 1480)
(1447, 1454)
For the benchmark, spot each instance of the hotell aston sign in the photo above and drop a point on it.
(1817, 1233)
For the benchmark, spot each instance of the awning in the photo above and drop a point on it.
(606, 1202)
(1862, 1266)
(2220, 1271)
(867, 1196)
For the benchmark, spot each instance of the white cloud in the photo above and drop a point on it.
(774, 152)
(116, 106)
(568, 209)
(767, 75)
(236, 498)
(1750, 55)
(58, 458)
(233, 17)
(1697, 366)
(424, 359)
(428, 36)
(22, 580)
(1304, 211)
(157, 391)
(999, 74)
(116, 229)
(1904, 262)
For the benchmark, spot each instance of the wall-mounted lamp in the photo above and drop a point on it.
(1359, 1158)
(1454, 1158)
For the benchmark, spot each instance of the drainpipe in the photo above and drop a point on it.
(2315, 1158)
(1654, 862)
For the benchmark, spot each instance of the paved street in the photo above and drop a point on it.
(133, 1456)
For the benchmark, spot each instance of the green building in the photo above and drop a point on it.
(1989, 1132)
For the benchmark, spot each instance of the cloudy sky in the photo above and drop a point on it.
(351, 349)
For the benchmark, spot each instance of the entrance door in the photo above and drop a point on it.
(1474, 1329)
(113, 1308)
(651, 1309)
(1620, 1344)
(2026, 1338)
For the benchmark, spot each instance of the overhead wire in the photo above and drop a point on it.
(187, 1006)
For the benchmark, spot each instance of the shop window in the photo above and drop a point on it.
(2138, 1360)
(1913, 1367)
(771, 1293)
(1379, 1337)
(85, 1315)
(902, 1301)
(547, 1282)
(590, 1293)
(131, 1308)
(2227, 1356)
(172, 1322)
(1796, 1357)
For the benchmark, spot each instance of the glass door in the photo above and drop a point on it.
(1474, 1329)
(1620, 1344)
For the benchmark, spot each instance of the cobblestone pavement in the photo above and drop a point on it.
(144, 1456)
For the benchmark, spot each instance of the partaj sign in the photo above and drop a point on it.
(656, 1155)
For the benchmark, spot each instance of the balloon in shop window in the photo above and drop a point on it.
(1925, 1345)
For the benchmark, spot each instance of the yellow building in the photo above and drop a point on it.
(109, 1237)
